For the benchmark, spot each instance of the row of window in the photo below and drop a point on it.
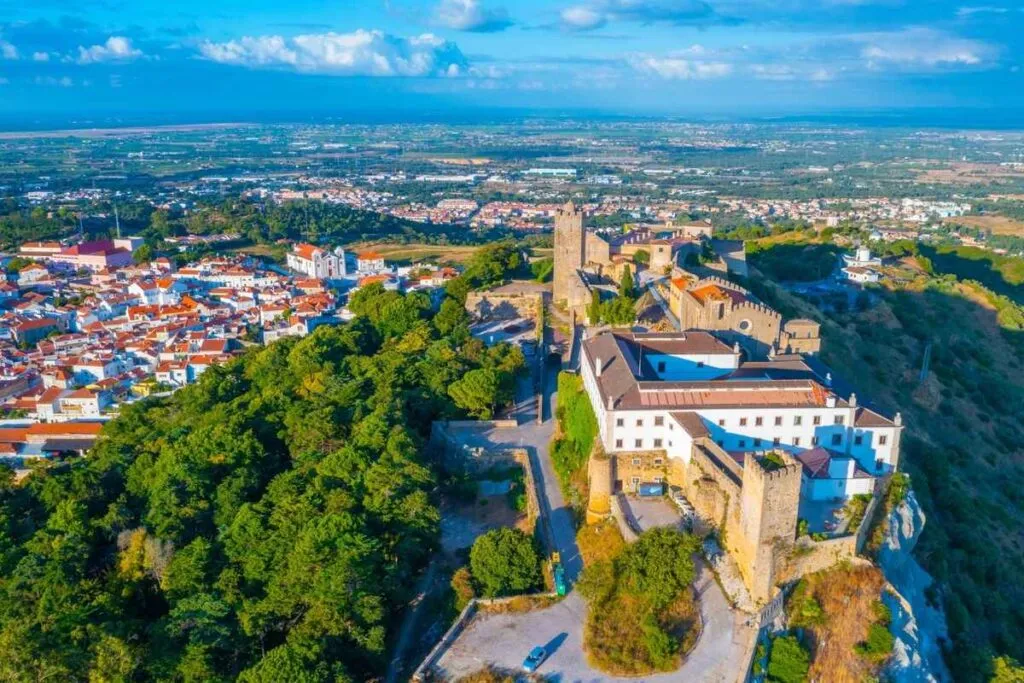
(837, 440)
(798, 420)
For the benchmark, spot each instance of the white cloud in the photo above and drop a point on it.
(41, 56)
(63, 82)
(116, 49)
(677, 68)
(8, 51)
(470, 15)
(922, 47)
(773, 72)
(966, 12)
(583, 18)
(361, 53)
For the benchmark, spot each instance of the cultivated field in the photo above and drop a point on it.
(999, 225)
(416, 252)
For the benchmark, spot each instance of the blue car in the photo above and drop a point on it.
(534, 659)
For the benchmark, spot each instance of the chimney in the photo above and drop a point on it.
(611, 403)
(597, 366)
(853, 400)
(828, 379)
(899, 420)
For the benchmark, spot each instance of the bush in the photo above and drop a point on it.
(597, 581)
(505, 562)
(879, 644)
(462, 587)
(788, 661)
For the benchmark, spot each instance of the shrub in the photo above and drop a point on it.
(597, 581)
(504, 562)
(462, 587)
(879, 644)
(788, 661)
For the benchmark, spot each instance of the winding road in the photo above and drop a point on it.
(503, 640)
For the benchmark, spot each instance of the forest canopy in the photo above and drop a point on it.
(264, 524)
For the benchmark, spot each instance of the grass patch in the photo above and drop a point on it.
(577, 432)
(837, 609)
(600, 542)
(789, 660)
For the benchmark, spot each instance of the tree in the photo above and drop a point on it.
(789, 661)
(626, 287)
(642, 257)
(660, 564)
(505, 561)
(143, 254)
(1007, 670)
(476, 393)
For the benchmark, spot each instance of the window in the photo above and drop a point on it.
(671, 427)
(670, 444)
(721, 444)
(796, 440)
(656, 480)
(636, 462)
(798, 420)
(639, 422)
(661, 366)
(721, 423)
(858, 439)
(657, 443)
(778, 420)
(743, 422)
(658, 462)
(776, 441)
(879, 464)
(659, 421)
(839, 419)
(618, 443)
(817, 420)
(636, 481)
(639, 443)
(814, 441)
(882, 439)
(742, 443)
(700, 364)
(837, 439)
(619, 422)
(758, 421)
(757, 443)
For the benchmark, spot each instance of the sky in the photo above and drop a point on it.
(184, 60)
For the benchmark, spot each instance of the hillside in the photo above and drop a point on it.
(264, 524)
(963, 441)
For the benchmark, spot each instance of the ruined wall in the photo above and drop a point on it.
(500, 306)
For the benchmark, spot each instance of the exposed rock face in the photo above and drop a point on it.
(917, 626)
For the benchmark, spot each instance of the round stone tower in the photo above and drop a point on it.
(599, 506)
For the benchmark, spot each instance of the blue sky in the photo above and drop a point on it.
(247, 58)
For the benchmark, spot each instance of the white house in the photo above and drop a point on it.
(370, 262)
(661, 392)
(315, 262)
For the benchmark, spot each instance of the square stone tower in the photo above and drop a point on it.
(570, 251)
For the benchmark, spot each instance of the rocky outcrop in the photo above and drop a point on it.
(917, 626)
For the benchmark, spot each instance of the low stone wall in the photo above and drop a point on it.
(629, 534)
(423, 671)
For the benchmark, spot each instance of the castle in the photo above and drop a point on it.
(754, 445)
(583, 258)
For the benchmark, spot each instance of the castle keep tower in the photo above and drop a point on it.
(569, 248)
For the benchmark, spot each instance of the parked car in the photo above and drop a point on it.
(534, 659)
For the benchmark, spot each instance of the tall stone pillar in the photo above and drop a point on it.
(570, 249)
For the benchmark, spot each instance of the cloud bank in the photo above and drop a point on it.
(360, 53)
